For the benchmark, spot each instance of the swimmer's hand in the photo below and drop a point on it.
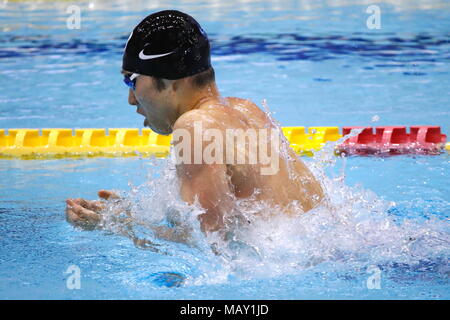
(86, 214)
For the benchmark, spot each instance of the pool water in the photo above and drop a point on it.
(315, 65)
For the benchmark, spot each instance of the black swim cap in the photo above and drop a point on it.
(167, 44)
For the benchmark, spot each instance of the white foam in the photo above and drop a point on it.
(352, 227)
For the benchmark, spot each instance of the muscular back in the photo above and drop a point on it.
(291, 182)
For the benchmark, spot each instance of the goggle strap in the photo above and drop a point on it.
(134, 76)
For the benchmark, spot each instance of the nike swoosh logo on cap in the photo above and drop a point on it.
(143, 56)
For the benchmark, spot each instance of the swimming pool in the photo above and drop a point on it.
(317, 64)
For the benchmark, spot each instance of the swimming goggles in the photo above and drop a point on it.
(130, 80)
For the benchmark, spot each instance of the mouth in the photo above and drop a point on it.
(140, 111)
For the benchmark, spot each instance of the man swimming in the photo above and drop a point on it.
(167, 67)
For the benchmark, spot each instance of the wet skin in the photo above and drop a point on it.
(216, 186)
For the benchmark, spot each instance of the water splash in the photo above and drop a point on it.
(375, 118)
(285, 148)
(353, 227)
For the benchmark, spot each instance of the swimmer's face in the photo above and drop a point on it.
(155, 105)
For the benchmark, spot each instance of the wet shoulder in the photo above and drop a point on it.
(208, 117)
(249, 110)
(230, 112)
(243, 105)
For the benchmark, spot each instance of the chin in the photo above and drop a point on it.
(164, 132)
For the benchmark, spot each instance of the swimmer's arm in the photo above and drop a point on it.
(208, 184)
(179, 233)
(87, 214)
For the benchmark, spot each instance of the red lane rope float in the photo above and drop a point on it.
(66, 142)
(393, 140)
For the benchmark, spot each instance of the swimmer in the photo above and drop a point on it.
(167, 67)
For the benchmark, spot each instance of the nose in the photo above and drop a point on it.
(131, 98)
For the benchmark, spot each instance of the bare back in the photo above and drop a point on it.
(293, 181)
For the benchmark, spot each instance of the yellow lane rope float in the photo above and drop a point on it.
(123, 142)
(119, 142)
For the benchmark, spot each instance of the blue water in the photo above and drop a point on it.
(315, 65)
